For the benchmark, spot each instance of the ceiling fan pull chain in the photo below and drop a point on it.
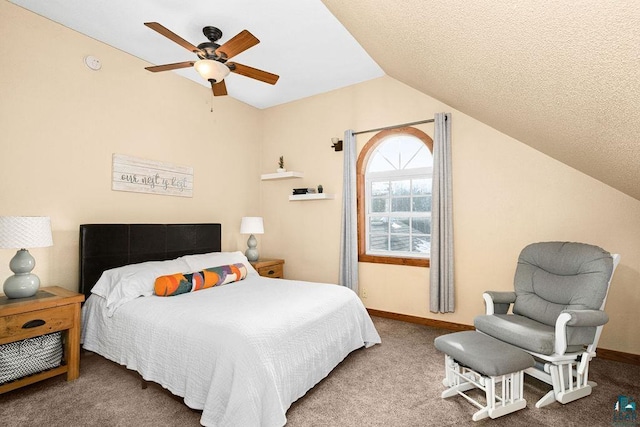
(211, 101)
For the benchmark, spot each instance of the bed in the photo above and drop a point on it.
(242, 352)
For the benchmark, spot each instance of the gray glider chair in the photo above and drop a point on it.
(556, 315)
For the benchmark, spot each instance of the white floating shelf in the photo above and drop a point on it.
(316, 196)
(282, 175)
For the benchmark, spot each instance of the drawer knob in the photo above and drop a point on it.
(270, 272)
(33, 323)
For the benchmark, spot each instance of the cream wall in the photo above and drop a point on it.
(60, 123)
(506, 195)
(59, 126)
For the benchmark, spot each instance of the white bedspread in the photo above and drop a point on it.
(243, 353)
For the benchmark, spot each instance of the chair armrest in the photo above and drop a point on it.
(586, 317)
(498, 302)
(576, 318)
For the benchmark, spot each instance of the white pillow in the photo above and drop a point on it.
(123, 284)
(216, 259)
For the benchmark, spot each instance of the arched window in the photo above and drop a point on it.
(394, 174)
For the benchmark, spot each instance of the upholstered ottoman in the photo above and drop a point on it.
(475, 360)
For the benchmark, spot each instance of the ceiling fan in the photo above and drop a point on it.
(213, 65)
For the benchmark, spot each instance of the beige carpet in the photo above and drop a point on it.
(397, 383)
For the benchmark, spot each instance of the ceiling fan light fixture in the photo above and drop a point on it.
(211, 70)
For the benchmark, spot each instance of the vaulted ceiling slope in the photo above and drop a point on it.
(562, 77)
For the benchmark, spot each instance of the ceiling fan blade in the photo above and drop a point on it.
(167, 67)
(253, 73)
(219, 89)
(241, 42)
(172, 36)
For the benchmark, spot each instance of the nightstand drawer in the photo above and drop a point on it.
(274, 271)
(34, 323)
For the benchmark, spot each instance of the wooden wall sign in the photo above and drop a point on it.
(148, 176)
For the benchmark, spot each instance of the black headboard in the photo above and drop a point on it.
(105, 246)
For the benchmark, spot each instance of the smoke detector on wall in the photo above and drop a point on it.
(92, 62)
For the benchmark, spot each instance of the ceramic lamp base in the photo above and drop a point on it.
(22, 284)
(252, 253)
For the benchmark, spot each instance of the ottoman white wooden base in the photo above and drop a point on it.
(474, 360)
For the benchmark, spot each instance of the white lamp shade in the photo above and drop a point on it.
(211, 70)
(252, 225)
(19, 232)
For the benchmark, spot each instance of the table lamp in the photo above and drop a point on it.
(20, 232)
(252, 225)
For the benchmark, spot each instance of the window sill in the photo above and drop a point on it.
(412, 262)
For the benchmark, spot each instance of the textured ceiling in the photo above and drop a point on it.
(562, 77)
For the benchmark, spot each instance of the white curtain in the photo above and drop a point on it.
(441, 270)
(349, 232)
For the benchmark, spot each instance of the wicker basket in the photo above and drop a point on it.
(21, 358)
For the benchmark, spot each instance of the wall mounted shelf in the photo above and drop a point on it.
(316, 196)
(281, 175)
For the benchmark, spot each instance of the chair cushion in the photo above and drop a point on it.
(519, 331)
(529, 334)
(483, 354)
(554, 276)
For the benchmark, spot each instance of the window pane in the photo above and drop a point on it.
(401, 188)
(421, 244)
(379, 164)
(379, 205)
(422, 186)
(400, 204)
(422, 159)
(399, 225)
(421, 225)
(380, 188)
(410, 149)
(379, 242)
(421, 204)
(378, 225)
(400, 243)
(389, 150)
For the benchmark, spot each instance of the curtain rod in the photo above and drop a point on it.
(395, 126)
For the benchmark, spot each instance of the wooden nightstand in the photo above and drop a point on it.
(59, 309)
(269, 267)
